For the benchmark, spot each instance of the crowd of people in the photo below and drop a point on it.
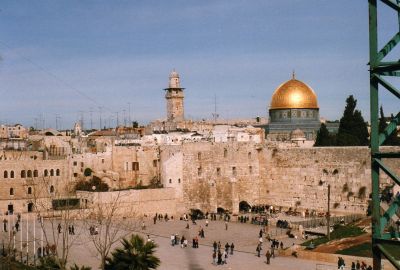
(354, 265)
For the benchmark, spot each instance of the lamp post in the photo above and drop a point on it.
(328, 214)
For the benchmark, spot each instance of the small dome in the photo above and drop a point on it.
(174, 74)
(294, 94)
(297, 134)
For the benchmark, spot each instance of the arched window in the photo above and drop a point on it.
(12, 174)
(225, 153)
(179, 180)
(51, 172)
(170, 181)
(11, 191)
(5, 174)
(46, 173)
(58, 172)
(29, 190)
(23, 174)
(249, 155)
(35, 173)
(29, 173)
(51, 189)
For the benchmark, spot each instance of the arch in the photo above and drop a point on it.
(52, 172)
(48, 133)
(249, 155)
(12, 191)
(35, 173)
(12, 174)
(29, 173)
(5, 174)
(23, 174)
(244, 206)
(30, 207)
(58, 172)
(51, 189)
(29, 190)
(46, 173)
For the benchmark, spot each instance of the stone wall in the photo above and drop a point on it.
(299, 177)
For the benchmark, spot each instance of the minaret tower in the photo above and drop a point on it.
(174, 96)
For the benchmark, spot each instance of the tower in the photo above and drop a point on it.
(174, 96)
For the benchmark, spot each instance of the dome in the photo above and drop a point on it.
(297, 134)
(294, 94)
(173, 74)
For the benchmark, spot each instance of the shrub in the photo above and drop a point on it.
(87, 172)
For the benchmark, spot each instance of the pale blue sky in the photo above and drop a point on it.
(120, 52)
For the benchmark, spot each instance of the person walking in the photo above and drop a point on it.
(214, 256)
(232, 247)
(268, 256)
(226, 225)
(258, 250)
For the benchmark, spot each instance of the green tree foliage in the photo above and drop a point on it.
(353, 130)
(88, 185)
(87, 172)
(393, 139)
(324, 138)
(135, 254)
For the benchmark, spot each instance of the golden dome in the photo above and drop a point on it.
(294, 94)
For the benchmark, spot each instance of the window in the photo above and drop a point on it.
(5, 174)
(179, 180)
(52, 189)
(75, 174)
(155, 163)
(75, 163)
(23, 174)
(234, 171)
(11, 191)
(82, 164)
(12, 174)
(29, 173)
(218, 171)
(58, 172)
(250, 169)
(35, 173)
(29, 190)
(51, 172)
(199, 156)
(249, 155)
(46, 173)
(199, 171)
(102, 160)
(135, 166)
(225, 153)
(170, 181)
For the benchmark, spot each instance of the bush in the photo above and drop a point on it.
(87, 172)
(88, 185)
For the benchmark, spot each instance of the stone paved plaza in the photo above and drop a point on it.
(243, 235)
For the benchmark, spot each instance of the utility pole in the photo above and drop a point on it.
(91, 118)
(129, 114)
(328, 215)
(100, 108)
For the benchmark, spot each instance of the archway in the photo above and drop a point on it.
(244, 206)
(30, 207)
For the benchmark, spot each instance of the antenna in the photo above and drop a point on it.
(129, 113)
(100, 110)
(215, 115)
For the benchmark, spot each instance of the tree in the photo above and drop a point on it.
(108, 221)
(324, 138)
(392, 139)
(87, 172)
(353, 130)
(135, 254)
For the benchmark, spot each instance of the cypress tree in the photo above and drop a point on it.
(324, 138)
(393, 138)
(353, 130)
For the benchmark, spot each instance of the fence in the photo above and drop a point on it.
(318, 222)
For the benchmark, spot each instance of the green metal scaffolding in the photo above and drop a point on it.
(383, 241)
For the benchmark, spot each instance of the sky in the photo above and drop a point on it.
(63, 60)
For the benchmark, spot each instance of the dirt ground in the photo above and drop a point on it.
(344, 243)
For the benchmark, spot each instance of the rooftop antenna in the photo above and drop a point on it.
(215, 115)
(293, 75)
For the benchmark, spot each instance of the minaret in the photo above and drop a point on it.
(174, 96)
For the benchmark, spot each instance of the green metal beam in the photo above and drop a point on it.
(391, 211)
(388, 86)
(389, 129)
(389, 73)
(389, 256)
(386, 155)
(389, 46)
(388, 171)
(392, 4)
